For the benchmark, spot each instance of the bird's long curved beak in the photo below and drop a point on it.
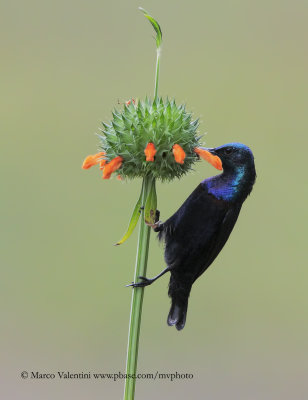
(210, 156)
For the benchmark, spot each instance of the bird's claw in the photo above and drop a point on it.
(145, 282)
(156, 226)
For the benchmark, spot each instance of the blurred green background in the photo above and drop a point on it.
(242, 67)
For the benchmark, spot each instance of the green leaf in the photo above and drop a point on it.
(155, 25)
(106, 126)
(133, 221)
(150, 204)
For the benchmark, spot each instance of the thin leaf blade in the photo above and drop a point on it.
(150, 205)
(133, 221)
(156, 26)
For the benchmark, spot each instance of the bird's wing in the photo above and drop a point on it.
(220, 238)
(175, 222)
(197, 232)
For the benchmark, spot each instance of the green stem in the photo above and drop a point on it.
(141, 260)
(157, 73)
(137, 298)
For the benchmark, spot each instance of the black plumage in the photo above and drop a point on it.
(194, 236)
(199, 229)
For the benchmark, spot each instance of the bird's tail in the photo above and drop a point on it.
(179, 293)
(177, 314)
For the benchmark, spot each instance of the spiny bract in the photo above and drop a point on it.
(160, 122)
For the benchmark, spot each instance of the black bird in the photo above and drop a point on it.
(197, 232)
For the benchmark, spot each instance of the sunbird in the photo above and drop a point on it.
(196, 233)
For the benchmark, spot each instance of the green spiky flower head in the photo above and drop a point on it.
(151, 139)
(160, 126)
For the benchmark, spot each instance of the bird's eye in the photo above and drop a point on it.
(228, 150)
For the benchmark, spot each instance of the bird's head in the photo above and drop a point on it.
(238, 166)
(229, 157)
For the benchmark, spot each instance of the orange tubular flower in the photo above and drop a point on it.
(207, 156)
(179, 153)
(93, 160)
(150, 152)
(112, 166)
(102, 164)
(130, 101)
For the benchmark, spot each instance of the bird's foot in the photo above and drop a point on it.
(145, 282)
(157, 226)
